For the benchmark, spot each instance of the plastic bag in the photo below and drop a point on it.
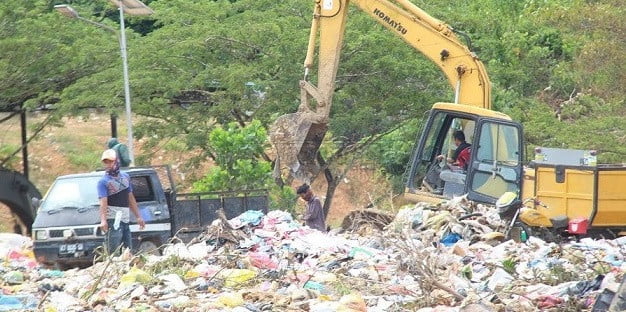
(135, 275)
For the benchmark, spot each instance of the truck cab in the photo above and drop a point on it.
(66, 229)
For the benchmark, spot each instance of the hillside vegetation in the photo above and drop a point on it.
(197, 66)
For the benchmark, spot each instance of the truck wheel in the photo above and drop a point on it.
(607, 234)
(149, 248)
(60, 266)
(549, 235)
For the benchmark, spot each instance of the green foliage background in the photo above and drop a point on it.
(198, 66)
(238, 163)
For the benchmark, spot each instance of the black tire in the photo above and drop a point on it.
(601, 234)
(58, 266)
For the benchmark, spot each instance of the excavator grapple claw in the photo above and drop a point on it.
(296, 139)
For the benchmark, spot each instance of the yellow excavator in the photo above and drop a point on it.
(297, 136)
(564, 184)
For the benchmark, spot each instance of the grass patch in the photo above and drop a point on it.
(342, 288)
(8, 149)
(557, 274)
(509, 265)
(171, 264)
(85, 161)
(82, 152)
(6, 228)
(175, 146)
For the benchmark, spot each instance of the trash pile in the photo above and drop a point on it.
(425, 258)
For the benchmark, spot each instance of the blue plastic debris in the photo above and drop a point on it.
(450, 239)
(17, 302)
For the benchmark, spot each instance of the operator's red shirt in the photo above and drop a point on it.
(463, 158)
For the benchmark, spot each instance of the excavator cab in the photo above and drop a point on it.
(495, 164)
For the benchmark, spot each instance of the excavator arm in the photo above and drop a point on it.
(298, 136)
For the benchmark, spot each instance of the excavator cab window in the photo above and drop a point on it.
(428, 144)
(462, 124)
(496, 163)
(431, 145)
(436, 139)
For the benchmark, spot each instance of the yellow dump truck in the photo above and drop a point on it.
(570, 184)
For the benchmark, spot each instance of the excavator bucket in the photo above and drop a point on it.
(297, 139)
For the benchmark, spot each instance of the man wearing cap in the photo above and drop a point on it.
(116, 201)
(314, 214)
(122, 151)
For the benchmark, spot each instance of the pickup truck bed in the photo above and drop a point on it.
(194, 211)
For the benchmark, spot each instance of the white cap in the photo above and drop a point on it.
(109, 154)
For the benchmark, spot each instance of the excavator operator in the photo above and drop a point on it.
(460, 157)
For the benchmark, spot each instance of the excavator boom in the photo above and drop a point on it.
(298, 136)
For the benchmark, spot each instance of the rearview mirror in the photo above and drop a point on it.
(36, 202)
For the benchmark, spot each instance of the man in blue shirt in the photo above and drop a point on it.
(116, 201)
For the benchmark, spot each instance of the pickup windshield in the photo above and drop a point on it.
(72, 193)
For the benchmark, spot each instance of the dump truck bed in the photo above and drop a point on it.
(582, 191)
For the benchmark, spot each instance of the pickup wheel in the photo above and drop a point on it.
(60, 266)
(549, 235)
(149, 248)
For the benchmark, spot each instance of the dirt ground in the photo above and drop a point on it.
(6, 219)
(57, 149)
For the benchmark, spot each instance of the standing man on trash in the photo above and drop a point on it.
(116, 201)
(314, 214)
(122, 151)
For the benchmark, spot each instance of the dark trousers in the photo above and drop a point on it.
(116, 239)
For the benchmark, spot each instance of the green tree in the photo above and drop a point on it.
(41, 54)
(204, 54)
(392, 153)
(238, 163)
(239, 166)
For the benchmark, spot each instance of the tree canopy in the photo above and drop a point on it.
(556, 66)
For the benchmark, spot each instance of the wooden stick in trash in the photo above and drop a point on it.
(422, 270)
(95, 285)
(447, 289)
(43, 299)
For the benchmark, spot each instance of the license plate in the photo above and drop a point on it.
(70, 248)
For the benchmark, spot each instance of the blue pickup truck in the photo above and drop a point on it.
(66, 233)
